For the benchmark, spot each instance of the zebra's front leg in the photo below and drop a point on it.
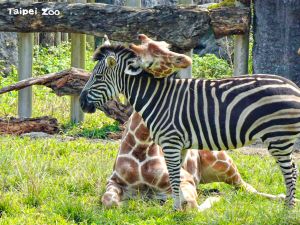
(173, 161)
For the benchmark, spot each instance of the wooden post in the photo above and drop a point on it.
(64, 36)
(25, 54)
(57, 38)
(78, 46)
(187, 72)
(36, 40)
(241, 51)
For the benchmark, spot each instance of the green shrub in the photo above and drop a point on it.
(56, 58)
(210, 66)
(225, 3)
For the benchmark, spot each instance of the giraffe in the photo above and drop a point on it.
(140, 170)
(156, 58)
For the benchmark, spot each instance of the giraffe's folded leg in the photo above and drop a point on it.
(218, 166)
(113, 194)
(247, 187)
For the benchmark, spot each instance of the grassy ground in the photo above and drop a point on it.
(60, 181)
(57, 181)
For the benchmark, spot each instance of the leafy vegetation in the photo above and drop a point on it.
(52, 59)
(210, 66)
(224, 3)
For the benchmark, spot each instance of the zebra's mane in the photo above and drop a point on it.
(101, 51)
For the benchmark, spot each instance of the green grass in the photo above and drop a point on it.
(52, 181)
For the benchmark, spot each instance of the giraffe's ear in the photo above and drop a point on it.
(133, 67)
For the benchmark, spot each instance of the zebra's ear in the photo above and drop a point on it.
(133, 68)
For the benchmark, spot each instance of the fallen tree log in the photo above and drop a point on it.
(71, 82)
(117, 111)
(65, 82)
(20, 126)
(180, 26)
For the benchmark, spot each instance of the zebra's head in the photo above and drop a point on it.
(106, 80)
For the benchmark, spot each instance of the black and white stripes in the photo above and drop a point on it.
(203, 114)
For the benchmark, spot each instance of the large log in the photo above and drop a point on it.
(229, 20)
(118, 111)
(20, 126)
(179, 26)
(71, 82)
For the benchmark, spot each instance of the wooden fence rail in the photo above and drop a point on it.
(180, 26)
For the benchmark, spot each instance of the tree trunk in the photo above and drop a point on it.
(46, 39)
(179, 26)
(21, 126)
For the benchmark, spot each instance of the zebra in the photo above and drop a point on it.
(216, 114)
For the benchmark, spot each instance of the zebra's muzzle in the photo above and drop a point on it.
(86, 106)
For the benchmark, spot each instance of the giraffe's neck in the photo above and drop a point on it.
(137, 140)
(141, 162)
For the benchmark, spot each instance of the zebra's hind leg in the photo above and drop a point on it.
(282, 152)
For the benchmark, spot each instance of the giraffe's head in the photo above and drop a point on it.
(156, 58)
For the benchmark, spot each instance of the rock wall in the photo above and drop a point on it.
(277, 38)
(8, 52)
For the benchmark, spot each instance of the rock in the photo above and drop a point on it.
(208, 44)
(8, 52)
(277, 38)
(36, 135)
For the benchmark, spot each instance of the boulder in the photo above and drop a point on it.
(277, 38)
(8, 52)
